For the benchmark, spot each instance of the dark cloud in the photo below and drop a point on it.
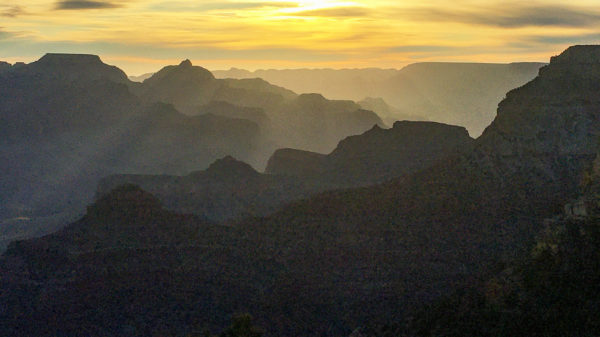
(335, 12)
(86, 4)
(11, 11)
(563, 39)
(511, 15)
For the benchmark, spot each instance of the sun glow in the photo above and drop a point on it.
(379, 33)
(324, 4)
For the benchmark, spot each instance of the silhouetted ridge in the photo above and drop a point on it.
(403, 133)
(183, 74)
(553, 115)
(4, 66)
(416, 127)
(185, 86)
(580, 54)
(186, 63)
(229, 166)
(319, 103)
(312, 98)
(376, 155)
(77, 67)
(67, 60)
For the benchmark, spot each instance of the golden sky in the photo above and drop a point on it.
(143, 35)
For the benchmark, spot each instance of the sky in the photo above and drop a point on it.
(141, 36)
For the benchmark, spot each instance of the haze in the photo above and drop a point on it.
(142, 36)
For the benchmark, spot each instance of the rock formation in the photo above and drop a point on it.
(377, 155)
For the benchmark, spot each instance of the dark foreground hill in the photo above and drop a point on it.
(328, 264)
(550, 290)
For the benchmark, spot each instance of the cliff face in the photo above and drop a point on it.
(554, 114)
(548, 130)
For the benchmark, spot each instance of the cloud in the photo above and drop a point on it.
(11, 11)
(336, 12)
(4, 34)
(85, 4)
(15, 45)
(512, 15)
(420, 49)
(562, 39)
(220, 5)
(9, 35)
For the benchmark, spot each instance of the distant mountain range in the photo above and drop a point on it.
(309, 122)
(332, 262)
(465, 94)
